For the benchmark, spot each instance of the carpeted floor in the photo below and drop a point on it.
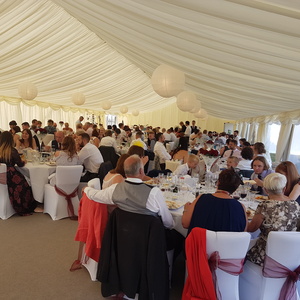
(36, 254)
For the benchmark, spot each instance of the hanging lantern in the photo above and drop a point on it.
(135, 113)
(186, 100)
(167, 81)
(78, 98)
(124, 109)
(27, 91)
(202, 114)
(106, 105)
(196, 107)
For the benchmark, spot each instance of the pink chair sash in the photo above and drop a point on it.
(3, 178)
(273, 269)
(68, 197)
(230, 266)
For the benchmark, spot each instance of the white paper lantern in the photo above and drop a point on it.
(78, 98)
(201, 114)
(124, 109)
(27, 91)
(106, 105)
(186, 100)
(196, 108)
(167, 81)
(135, 113)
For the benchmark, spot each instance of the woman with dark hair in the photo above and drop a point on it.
(292, 188)
(95, 138)
(19, 191)
(247, 156)
(181, 152)
(27, 141)
(261, 169)
(17, 134)
(217, 211)
(225, 148)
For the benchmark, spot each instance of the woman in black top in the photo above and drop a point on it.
(19, 191)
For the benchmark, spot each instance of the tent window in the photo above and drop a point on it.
(111, 120)
(272, 139)
(294, 155)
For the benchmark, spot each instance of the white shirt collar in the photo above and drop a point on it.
(137, 180)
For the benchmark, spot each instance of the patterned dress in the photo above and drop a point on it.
(19, 191)
(278, 216)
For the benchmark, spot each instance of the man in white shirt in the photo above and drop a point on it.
(138, 140)
(166, 135)
(233, 150)
(161, 151)
(79, 121)
(188, 129)
(236, 136)
(133, 195)
(109, 141)
(89, 156)
(192, 167)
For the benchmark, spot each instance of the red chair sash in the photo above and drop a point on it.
(68, 197)
(231, 266)
(3, 178)
(273, 269)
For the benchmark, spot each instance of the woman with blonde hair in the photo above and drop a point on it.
(68, 155)
(292, 188)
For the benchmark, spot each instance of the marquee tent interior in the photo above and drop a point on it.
(241, 58)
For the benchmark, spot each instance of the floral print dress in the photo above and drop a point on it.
(278, 216)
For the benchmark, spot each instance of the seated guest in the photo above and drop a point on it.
(50, 127)
(160, 150)
(217, 211)
(191, 167)
(292, 188)
(138, 140)
(89, 156)
(117, 136)
(181, 152)
(166, 134)
(261, 169)
(260, 150)
(66, 157)
(109, 141)
(279, 213)
(17, 134)
(247, 156)
(95, 138)
(19, 191)
(232, 162)
(151, 141)
(27, 141)
(56, 143)
(233, 150)
(225, 148)
(68, 129)
(25, 125)
(133, 195)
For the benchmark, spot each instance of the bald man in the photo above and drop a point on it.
(133, 195)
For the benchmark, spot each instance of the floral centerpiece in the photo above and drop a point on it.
(209, 157)
(209, 144)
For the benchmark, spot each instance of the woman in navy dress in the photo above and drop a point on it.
(19, 191)
(217, 211)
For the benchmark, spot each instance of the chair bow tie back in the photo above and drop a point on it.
(68, 197)
(230, 266)
(273, 269)
(3, 178)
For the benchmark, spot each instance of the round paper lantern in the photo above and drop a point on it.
(106, 105)
(27, 91)
(186, 100)
(135, 113)
(78, 98)
(124, 109)
(202, 114)
(167, 81)
(196, 108)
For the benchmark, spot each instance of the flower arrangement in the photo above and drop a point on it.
(210, 142)
(210, 152)
(40, 131)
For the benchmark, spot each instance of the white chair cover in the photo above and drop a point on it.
(47, 138)
(172, 165)
(90, 264)
(283, 247)
(67, 179)
(6, 209)
(230, 245)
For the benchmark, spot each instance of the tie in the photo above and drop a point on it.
(189, 172)
(231, 152)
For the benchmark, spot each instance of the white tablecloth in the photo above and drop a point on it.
(38, 176)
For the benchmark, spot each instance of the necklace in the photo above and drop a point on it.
(223, 192)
